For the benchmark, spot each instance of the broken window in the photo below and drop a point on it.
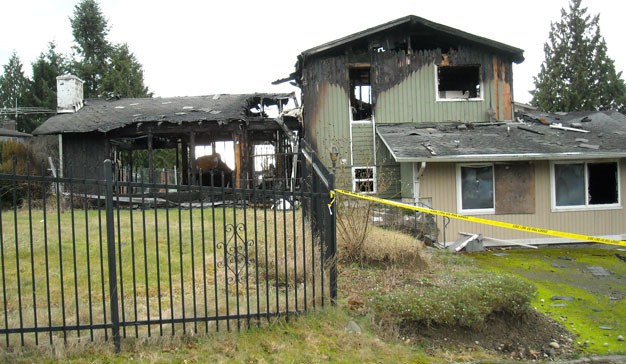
(476, 188)
(360, 93)
(458, 82)
(586, 184)
(363, 179)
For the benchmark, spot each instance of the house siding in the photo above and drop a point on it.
(83, 157)
(363, 144)
(326, 116)
(439, 183)
(413, 100)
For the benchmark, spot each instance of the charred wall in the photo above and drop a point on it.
(84, 155)
(326, 112)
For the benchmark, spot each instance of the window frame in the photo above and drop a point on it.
(474, 99)
(351, 90)
(586, 206)
(355, 180)
(459, 189)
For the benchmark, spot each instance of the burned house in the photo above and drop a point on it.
(91, 131)
(424, 113)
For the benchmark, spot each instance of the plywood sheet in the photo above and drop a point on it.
(515, 188)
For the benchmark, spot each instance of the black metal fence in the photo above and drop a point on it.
(81, 261)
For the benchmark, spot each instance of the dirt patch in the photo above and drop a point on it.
(526, 339)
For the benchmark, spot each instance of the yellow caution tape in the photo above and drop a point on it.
(479, 220)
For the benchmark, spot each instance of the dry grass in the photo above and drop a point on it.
(184, 264)
(395, 249)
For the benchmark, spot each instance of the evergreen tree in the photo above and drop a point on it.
(90, 29)
(125, 75)
(577, 73)
(14, 86)
(45, 71)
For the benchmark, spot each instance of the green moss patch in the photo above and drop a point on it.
(591, 306)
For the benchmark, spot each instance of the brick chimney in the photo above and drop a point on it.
(69, 94)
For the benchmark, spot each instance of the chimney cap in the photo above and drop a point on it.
(69, 77)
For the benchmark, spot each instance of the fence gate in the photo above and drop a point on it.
(94, 258)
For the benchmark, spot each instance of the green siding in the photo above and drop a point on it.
(389, 181)
(406, 179)
(414, 100)
(332, 126)
(362, 144)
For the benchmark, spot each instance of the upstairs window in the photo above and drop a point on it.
(458, 82)
(360, 94)
(585, 185)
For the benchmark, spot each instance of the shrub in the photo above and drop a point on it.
(353, 226)
(17, 158)
(393, 248)
(463, 300)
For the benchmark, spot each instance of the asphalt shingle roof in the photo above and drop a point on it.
(106, 115)
(532, 139)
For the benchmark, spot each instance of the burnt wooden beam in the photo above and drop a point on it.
(192, 157)
(151, 178)
(185, 161)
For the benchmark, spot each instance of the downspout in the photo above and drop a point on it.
(417, 176)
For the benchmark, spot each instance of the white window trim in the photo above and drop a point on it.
(364, 121)
(459, 191)
(373, 179)
(586, 206)
(475, 99)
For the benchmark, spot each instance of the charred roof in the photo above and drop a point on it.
(100, 115)
(537, 136)
(413, 32)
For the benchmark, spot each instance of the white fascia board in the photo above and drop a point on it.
(511, 157)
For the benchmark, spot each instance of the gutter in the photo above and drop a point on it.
(508, 157)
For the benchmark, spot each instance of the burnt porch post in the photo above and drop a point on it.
(192, 157)
(151, 175)
(185, 161)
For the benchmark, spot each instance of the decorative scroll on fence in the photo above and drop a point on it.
(236, 253)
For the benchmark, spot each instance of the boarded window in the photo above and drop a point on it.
(497, 189)
(515, 188)
(458, 82)
(586, 184)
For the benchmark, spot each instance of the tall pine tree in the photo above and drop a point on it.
(90, 29)
(577, 73)
(46, 68)
(106, 69)
(14, 85)
(125, 75)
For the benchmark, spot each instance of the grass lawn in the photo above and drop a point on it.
(593, 307)
(172, 264)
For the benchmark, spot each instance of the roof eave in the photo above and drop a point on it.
(511, 157)
(515, 53)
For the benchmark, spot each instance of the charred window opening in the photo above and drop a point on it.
(268, 107)
(586, 184)
(458, 82)
(360, 93)
(363, 179)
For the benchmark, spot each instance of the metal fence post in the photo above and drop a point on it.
(332, 241)
(110, 221)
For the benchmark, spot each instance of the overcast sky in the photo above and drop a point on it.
(190, 47)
